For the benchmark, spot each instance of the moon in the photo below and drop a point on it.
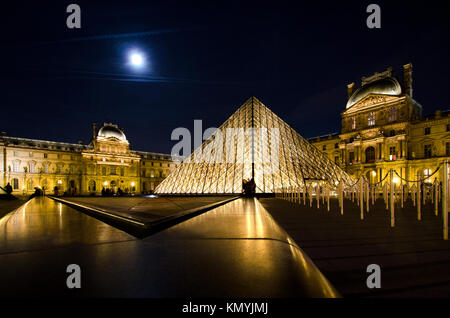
(136, 59)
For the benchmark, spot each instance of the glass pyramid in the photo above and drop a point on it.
(253, 142)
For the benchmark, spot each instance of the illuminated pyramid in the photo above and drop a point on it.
(253, 142)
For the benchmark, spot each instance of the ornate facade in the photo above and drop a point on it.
(106, 162)
(383, 128)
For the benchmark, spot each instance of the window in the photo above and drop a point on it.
(16, 166)
(71, 169)
(351, 157)
(45, 155)
(392, 133)
(427, 174)
(104, 171)
(30, 184)
(427, 130)
(113, 170)
(45, 168)
(15, 183)
(31, 165)
(371, 119)
(448, 127)
(353, 120)
(144, 172)
(392, 153)
(30, 154)
(447, 148)
(324, 147)
(370, 155)
(427, 151)
(160, 174)
(336, 146)
(92, 186)
(16, 153)
(336, 160)
(392, 114)
(122, 171)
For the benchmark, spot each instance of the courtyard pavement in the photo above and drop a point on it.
(413, 257)
(234, 250)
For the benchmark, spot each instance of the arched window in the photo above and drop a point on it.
(15, 183)
(92, 186)
(370, 155)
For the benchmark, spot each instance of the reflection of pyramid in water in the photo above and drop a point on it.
(281, 158)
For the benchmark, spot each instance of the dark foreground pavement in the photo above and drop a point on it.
(7, 205)
(414, 259)
(234, 250)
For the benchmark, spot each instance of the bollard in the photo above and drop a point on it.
(419, 212)
(386, 195)
(367, 196)
(445, 199)
(401, 193)
(436, 199)
(328, 198)
(310, 197)
(361, 198)
(392, 199)
(318, 196)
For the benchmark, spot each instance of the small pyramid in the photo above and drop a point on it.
(252, 143)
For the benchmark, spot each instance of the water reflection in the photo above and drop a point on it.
(241, 218)
(42, 223)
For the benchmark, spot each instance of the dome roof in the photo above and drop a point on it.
(110, 130)
(384, 86)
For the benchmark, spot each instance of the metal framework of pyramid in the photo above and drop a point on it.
(263, 146)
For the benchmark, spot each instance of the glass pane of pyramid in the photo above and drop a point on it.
(252, 143)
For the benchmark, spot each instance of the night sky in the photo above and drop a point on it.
(204, 60)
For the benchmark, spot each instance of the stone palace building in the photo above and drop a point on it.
(383, 128)
(107, 162)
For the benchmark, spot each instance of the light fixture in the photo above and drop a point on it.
(133, 184)
(374, 173)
